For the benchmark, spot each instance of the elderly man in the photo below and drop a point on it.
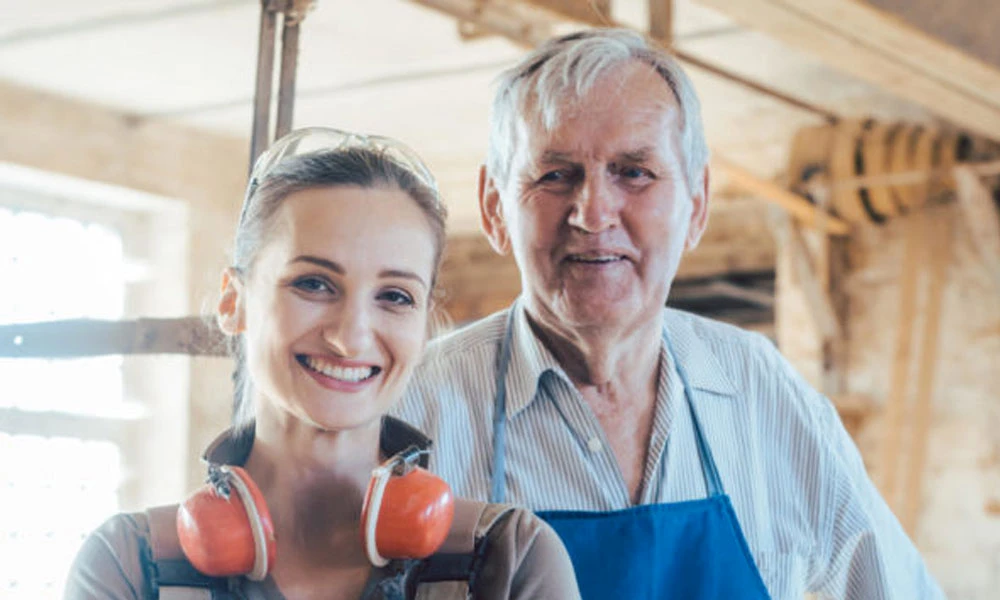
(676, 456)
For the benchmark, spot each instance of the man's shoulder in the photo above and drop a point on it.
(722, 339)
(751, 362)
(470, 340)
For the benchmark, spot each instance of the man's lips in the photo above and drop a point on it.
(595, 257)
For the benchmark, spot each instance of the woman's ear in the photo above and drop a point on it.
(230, 312)
(491, 213)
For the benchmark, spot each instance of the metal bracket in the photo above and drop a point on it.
(292, 13)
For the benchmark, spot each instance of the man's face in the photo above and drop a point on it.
(597, 210)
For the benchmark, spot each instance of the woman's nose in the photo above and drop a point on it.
(348, 329)
(596, 206)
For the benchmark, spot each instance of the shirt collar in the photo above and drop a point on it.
(530, 360)
(232, 447)
(701, 365)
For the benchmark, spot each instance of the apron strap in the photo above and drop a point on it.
(498, 478)
(713, 483)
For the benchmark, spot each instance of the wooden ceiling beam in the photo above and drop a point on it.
(661, 21)
(878, 48)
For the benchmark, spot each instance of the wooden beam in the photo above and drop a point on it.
(941, 236)
(819, 302)
(85, 337)
(592, 12)
(982, 219)
(530, 33)
(899, 376)
(661, 21)
(878, 48)
(495, 18)
(797, 206)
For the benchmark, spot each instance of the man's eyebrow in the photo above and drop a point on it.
(639, 155)
(404, 274)
(320, 262)
(555, 156)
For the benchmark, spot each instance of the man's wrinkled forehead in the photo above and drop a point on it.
(636, 96)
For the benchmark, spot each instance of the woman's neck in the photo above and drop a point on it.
(314, 482)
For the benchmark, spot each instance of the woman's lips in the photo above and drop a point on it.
(340, 377)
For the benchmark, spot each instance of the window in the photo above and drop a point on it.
(70, 429)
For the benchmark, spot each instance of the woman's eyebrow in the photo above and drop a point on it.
(320, 262)
(393, 273)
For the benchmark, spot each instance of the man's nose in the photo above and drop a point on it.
(596, 206)
(348, 328)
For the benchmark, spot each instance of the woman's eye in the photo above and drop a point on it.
(396, 298)
(312, 285)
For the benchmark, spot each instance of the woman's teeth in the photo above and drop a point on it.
(351, 374)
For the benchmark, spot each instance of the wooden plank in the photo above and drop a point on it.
(836, 45)
(494, 18)
(592, 12)
(819, 303)
(899, 376)
(941, 236)
(531, 32)
(982, 219)
(798, 206)
(891, 35)
(661, 21)
(86, 337)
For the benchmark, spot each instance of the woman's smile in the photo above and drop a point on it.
(337, 374)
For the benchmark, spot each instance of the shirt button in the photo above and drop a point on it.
(594, 445)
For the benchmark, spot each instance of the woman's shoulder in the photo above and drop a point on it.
(525, 556)
(109, 563)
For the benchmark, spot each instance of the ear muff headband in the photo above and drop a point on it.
(381, 476)
(260, 564)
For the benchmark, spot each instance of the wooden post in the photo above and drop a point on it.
(261, 132)
(661, 21)
(289, 65)
(940, 250)
(899, 377)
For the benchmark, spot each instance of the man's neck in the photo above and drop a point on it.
(606, 358)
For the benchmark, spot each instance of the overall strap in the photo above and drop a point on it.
(713, 483)
(461, 566)
(169, 576)
(498, 481)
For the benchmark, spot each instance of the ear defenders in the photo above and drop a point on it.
(407, 511)
(225, 528)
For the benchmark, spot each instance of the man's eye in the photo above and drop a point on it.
(312, 285)
(633, 172)
(554, 177)
(396, 298)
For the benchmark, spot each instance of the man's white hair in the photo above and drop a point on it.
(566, 68)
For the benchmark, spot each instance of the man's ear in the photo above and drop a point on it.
(699, 214)
(491, 213)
(230, 313)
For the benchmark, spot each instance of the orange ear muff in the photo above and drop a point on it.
(225, 528)
(407, 511)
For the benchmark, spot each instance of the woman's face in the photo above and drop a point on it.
(335, 309)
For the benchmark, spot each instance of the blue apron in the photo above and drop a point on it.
(682, 550)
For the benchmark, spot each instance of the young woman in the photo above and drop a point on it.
(327, 303)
